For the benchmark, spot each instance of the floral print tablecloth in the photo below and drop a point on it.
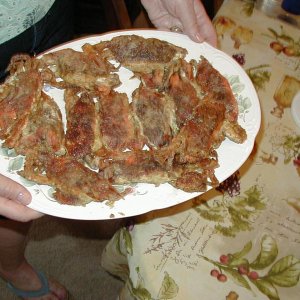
(241, 240)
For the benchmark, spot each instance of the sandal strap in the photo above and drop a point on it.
(44, 290)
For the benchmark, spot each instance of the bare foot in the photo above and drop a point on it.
(25, 278)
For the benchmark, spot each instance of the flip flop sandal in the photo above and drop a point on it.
(44, 290)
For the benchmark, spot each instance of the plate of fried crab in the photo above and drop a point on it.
(120, 124)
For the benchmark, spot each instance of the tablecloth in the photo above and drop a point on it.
(241, 240)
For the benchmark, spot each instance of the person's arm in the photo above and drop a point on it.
(13, 200)
(188, 15)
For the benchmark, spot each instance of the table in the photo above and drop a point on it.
(240, 241)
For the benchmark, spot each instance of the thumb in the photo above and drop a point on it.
(12, 190)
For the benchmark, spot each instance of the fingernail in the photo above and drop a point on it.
(199, 37)
(21, 198)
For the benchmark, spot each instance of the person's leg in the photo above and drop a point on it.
(55, 28)
(14, 267)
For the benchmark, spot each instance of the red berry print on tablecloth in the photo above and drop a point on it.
(222, 278)
(273, 272)
(214, 273)
(243, 270)
(253, 275)
(224, 259)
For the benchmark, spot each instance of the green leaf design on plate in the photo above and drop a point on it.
(285, 272)
(236, 86)
(266, 288)
(169, 288)
(15, 164)
(244, 104)
(232, 79)
(27, 182)
(4, 152)
(50, 192)
(8, 152)
(267, 255)
(12, 153)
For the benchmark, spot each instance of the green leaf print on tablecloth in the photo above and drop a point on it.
(123, 242)
(286, 146)
(248, 7)
(284, 272)
(282, 42)
(259, 75)
(168, 290)
(239, 211)
(267, 255)
(170, 234)
(289, 146)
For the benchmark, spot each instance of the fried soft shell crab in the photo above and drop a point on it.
(169, 133)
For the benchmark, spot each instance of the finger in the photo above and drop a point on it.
(206, 30)
(185, 12)
(196, 23)
(14, 191)
(16, 211)
(166, 23)
(159, 16)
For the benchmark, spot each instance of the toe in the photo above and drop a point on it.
(58, 289)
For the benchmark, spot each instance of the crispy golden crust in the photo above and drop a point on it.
(44, 130)
(82, 135)
(182, 111)
(20, 95)
(138, 53)
(212, 82)
(154, 113)
(134, 167)
(117, 127)
(184, 94)
(150, 59)
(81, 69)
(75, 184)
